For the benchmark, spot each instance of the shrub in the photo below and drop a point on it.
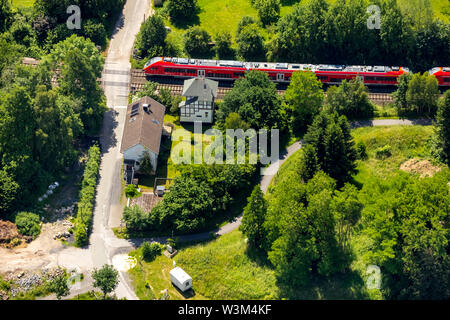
(81, 235)
(135, 218)
(361, 150)
(150, 251)
(383, 152)
(131, 191)
(28, 224)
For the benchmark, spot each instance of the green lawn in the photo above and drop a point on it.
(22, 3)
(220, 269)
(226, 269)
(406, 142)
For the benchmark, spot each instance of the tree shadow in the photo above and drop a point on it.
(288, 2)
(120, 22)
(341, 286)
(187, 23)
(258, 256)
(107, 138)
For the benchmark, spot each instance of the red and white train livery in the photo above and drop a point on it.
(223, 70)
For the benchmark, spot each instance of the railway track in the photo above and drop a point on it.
(138, 79)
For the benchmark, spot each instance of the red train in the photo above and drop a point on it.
(442, 74)
(222, 70)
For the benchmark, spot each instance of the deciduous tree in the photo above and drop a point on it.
(196, 42)
(256, 101)
(106, 279)
(304, 98)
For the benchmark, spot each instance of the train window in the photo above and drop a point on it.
(446, 79)
(238, 74)
(322, 78)
(177, 70)
(380, 78)
(281, 65)
(219, 75)
(294, 66)
(379, 69)
(336, 80)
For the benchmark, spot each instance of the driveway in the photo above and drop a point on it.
(116, 77)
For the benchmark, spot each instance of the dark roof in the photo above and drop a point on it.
(204, 89)
(142, 127)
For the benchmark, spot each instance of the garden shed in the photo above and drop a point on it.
(180, 279)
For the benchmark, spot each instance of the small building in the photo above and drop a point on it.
(180, 279)
(142, 133)
(200, 94)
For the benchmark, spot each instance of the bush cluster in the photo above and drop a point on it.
(83, 219)
(150, 251)
(383, 152)
(28, 224)
(198, 195)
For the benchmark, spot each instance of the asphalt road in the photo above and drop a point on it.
(116, 76)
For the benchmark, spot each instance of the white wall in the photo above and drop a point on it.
(199, 115)
(137, 152)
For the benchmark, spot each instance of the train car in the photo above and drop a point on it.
(442, 74)
(222, 70)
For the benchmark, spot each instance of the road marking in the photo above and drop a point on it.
(116, 84)
(119, 72)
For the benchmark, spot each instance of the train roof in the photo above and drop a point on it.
(275, 65)
(439, 69)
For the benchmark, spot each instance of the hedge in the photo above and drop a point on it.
(83, 220)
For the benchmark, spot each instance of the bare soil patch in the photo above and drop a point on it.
(422, 167)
